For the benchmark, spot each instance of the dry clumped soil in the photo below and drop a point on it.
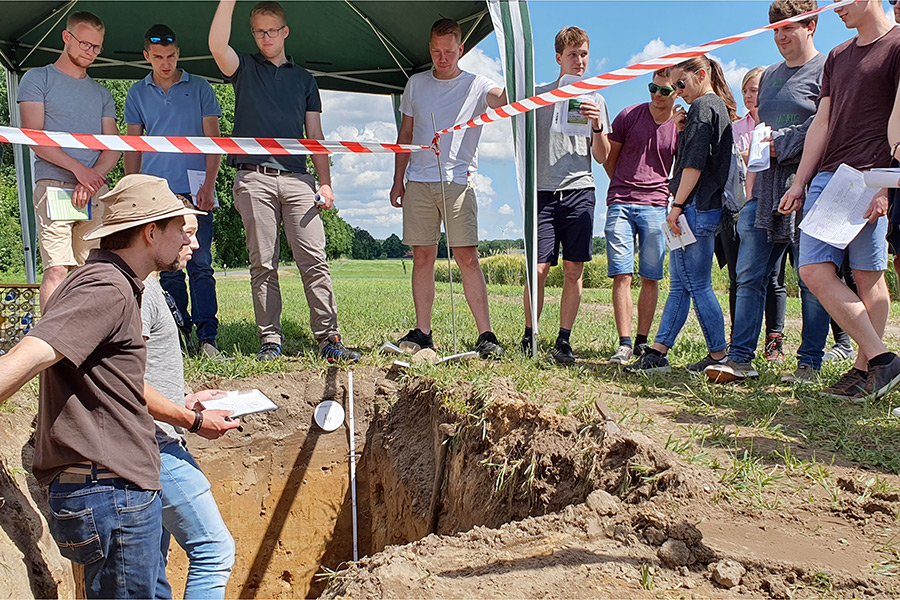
(469, 493)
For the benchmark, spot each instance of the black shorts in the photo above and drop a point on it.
(565, 218)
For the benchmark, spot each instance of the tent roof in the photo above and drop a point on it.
(349, 45)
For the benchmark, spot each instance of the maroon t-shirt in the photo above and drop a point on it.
(648, 150)
(862, 84)
(92, 405)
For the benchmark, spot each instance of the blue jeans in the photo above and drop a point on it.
(757, 260)
(690, 277)
(189, 513)
(203, 285)
(112, 527)
(815, 328)
(624, 222)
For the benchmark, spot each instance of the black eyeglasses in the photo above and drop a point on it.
(270, 33)
(156, 39)
(86, 46)
(665, 91)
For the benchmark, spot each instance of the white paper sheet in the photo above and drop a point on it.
(837, 217)
(196, 179)
(567, 117)
(882, 178)
(677, 242)
(243, 402)
(60, 207)
(760, 155)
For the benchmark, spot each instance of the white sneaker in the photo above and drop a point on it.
(622, 355)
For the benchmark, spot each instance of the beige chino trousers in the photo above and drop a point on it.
(264, 201)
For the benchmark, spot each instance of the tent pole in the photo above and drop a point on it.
(23, 185)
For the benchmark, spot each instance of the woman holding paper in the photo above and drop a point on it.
(699, 176)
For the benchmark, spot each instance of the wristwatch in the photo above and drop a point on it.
(676, 205)
(598, 130)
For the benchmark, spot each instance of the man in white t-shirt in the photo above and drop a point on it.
(451, 95)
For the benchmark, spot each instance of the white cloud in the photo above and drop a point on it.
(506, 209)
(484, 191)
(482, 234)
(598, 66)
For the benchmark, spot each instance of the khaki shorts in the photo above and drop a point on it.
(423, 207)
(61, 242)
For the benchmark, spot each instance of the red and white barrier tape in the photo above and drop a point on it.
(197, 145)
(599, 82)
(290, 146)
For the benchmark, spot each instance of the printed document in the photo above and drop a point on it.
(882, 178)
(243, 402)
(195, 181)
(677, 242)
(760, 153)
(837, 216)
(60, 207)
(567, 117)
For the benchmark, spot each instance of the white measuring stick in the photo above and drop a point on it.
(352, 463)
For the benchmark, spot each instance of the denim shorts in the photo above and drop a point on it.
(868, 251)
(565, 219)
(624, 223)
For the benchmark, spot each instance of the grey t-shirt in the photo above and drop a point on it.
(165, 367)
(71, 105)
(563, 161)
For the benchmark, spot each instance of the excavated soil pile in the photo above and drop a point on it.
(525, 502)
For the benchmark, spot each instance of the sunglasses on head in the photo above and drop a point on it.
(665, 91)
(156, 39)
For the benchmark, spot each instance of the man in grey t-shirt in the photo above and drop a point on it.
(61, 97)
(566, 193)
(189, 511)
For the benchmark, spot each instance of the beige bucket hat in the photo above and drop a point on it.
(137, 200)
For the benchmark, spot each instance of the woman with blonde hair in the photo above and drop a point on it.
(699, 177)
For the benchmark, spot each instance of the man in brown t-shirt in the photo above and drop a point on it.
(96, 446)
(850, 127)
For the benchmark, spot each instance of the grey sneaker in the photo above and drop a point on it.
(804, 373)
(708, 361)
(850, 386)
(882, 379)
(729, 371)
(839, 352)
(622, 355)
(651, 362)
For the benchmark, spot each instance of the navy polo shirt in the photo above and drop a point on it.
(178, 112)
(272, 101)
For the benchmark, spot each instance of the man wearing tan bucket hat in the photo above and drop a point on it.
(96, 445)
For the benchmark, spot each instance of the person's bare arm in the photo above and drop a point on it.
(219, 35)
(323, 167)
(108, 158)
(894, 126)
(813, 147)
(612, 158)
(162, 409)
(401, 161)
(26, 359)
(133, 160)
(689, 179)
(497, 98)
(205, 196)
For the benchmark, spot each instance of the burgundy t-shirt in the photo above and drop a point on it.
(862, 84)
(648, 150)
(92, 405)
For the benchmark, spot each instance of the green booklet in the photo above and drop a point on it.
(60, 207)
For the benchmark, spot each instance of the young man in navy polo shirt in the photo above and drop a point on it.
(274, 97)
(170, 101)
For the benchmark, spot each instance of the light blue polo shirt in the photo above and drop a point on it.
(180, 112)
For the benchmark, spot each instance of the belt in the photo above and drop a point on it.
(262, 169)
(85, 473)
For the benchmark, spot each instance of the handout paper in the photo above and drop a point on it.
(242, 402)
(567, 117)
(677, 242)
(60, 207)
(196, 179)
(837, 216)
(882, 178)
(760, 155)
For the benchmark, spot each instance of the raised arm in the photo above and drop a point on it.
(219, 35)
(497, 98)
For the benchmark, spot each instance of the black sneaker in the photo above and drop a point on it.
(487, 346)
(881, 379)
(526, 344)
(269, 351)
(334, 350)
(562, 353)
(708, 361)
(651, 362)
(415, 340)
(640, 350)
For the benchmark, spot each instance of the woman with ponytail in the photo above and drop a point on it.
(699, 176)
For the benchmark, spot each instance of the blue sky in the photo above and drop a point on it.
(621, 32)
